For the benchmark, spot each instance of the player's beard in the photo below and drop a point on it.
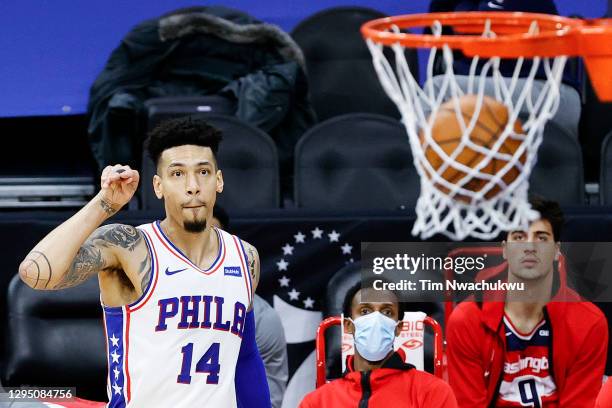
(195, 226)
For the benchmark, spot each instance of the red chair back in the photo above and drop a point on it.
(337, 320)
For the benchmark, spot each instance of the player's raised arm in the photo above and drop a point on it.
(77, 249)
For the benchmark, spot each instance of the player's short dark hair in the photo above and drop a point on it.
(220, 214)
(550, 211)
(350, 294)
(182, 131)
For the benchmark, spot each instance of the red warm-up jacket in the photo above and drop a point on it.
(394, 385)
(476, 345)
(604, 400)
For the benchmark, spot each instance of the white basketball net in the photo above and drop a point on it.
(481, 214)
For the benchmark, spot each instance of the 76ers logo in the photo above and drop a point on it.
(412, 344)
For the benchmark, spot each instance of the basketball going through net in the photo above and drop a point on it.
(475, 138)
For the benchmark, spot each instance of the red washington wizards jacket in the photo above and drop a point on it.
(476, 345)
(394, 385)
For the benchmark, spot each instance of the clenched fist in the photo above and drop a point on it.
(118, 185)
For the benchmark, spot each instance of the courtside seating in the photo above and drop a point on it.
(341, 76)
(56, 338)
(605, 178)
(595, 122)
(355, 161)
(248, 159)
(337, 288)
(558, 175)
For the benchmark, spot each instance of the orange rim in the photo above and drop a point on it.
(510, 28)
(591, 39)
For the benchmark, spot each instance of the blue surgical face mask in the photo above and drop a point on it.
(374, 335)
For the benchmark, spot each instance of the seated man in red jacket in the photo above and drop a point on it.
(546, 351)
(376, 376)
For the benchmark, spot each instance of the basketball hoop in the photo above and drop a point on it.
(487, 194)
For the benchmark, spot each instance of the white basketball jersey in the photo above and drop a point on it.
(177, 346)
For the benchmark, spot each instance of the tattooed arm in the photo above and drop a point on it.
(253, 259)
(78, 249)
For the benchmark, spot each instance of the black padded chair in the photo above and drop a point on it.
(355, 161)
(558, 175)
(605, 177)
(56, 338)
(159, 109)
(341, 76)
(337, 289)
(595, 122)
(248, 159)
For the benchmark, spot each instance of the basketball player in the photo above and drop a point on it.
(547, 352)
(177, 294)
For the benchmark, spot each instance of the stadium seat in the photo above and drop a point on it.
(355, 161)
(59, 171)
(605, 178)
(339, 66)
(337, 288)
(159, 109)
(558, 175)
(249, 162)
(595, 122)
(56, 338)
(200, 51)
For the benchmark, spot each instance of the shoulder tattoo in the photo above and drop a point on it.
(253, 259)
(89, 260)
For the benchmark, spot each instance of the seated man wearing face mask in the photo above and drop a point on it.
(376, 376)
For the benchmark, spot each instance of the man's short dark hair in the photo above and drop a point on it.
(368, 283)
(550, 211)
(182, 131)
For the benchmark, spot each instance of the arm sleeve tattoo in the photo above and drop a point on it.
(88, 261)
(144, 272)
(253, 258)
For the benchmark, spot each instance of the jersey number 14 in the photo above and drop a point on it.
(208, 363)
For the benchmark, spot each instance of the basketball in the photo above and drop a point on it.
(446, 132)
